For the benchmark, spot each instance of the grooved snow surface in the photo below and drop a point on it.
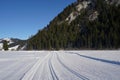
(60, 65)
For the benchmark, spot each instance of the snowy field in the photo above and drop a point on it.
(60, 65)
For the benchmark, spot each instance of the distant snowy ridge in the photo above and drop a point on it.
(13, 44)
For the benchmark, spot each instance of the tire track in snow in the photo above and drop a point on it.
(52, 71)
(70, 70)
(30, 74)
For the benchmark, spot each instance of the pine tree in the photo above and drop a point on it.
(5, 45)
(81, 33)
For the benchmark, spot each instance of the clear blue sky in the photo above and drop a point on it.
(23, 18)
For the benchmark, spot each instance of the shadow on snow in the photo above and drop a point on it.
(97, 59)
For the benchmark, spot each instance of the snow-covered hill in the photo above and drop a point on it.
(60, 65)
(13, 44)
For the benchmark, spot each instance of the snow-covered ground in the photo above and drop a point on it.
(60, 65)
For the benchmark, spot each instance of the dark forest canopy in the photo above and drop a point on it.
(81, 33)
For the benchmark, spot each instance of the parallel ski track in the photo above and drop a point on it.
(70, 70)
(52, 71)
(30, 74)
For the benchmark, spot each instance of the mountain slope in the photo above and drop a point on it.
(85, 24)
(13, 44)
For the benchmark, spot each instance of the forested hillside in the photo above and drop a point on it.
(85, 24)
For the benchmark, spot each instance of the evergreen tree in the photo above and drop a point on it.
(5, 45)
(81, 33)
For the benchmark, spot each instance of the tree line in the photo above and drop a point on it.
(102, 33)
